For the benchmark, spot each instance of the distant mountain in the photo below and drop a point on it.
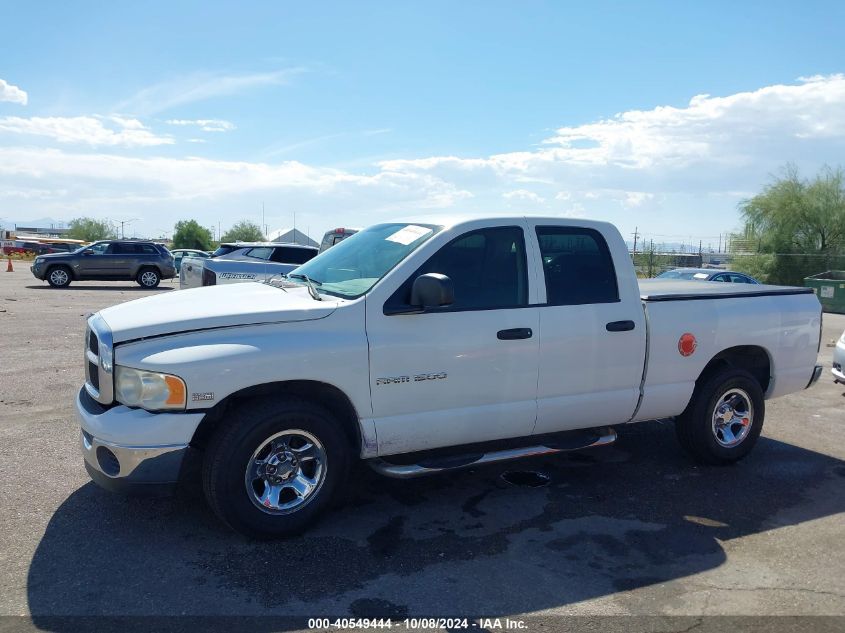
(36, 222)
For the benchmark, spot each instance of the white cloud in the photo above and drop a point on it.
(199, 87)
(201, 178)
(11, 93)
(206, 125)
(524, 195)
(776, 123)
(90, 130)
(689, 164)
(636, 198)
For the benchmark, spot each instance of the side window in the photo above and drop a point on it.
(101, 248)
(119, 248)
(147, 249)
(739, 279)
(288, 255)
(261, 252)
(487, 267)
(577, 266)
(721, 278)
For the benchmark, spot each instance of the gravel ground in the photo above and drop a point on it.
(630, 529)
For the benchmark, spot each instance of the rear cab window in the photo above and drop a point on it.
(577, 266)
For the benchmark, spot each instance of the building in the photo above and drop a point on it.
(291, 236)
(41, 231)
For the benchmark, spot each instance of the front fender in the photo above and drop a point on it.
(220, 362)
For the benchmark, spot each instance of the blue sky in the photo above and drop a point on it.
(353, 113)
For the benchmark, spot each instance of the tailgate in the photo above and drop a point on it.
(190, 272)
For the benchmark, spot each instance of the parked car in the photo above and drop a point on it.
(192, 278)
(839, 361)
(708, 274)
(257, 262)
(335, 236)
(179, 253)
(422, 348)
(110, 260)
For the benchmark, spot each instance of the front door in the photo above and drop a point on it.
(463, 373)
(94, 263)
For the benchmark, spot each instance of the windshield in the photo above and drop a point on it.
(353, 266)
(678, 274)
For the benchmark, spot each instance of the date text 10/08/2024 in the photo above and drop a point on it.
(417, 623)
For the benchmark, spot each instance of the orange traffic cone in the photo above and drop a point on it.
(9, 268)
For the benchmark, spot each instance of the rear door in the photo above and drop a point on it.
(592, 329)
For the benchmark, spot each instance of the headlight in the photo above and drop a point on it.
(38, 260)
(148, 389)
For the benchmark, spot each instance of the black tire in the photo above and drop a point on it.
(233, 446)
(148, 278)
(59, 276)
(697, 431)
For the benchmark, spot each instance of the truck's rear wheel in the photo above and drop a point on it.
(272, 469)
(724, 418)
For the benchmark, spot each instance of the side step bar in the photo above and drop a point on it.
(454, 462)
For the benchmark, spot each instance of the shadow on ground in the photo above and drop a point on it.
(611, 519)
(128, 286)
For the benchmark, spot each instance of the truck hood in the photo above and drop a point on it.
(213, 307)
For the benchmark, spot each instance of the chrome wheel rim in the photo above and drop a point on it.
(286, 472)
(59, 277)
(148, 278)
(733, 418)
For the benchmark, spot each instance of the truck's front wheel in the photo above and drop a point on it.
(724, 418)
(271, 470)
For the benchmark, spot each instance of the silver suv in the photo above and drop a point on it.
(113, 260)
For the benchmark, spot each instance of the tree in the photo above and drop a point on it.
(90, 230)
(190, 234)
(798, 224)
(243, 231)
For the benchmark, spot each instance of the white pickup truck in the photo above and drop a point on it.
(426, 346)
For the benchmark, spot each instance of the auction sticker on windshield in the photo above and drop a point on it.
(408, 234)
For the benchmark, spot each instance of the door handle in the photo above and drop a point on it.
(619, 326)
(514, 334)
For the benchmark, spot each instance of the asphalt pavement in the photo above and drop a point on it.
(634, 528)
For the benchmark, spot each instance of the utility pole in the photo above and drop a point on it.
(122, 224)
(651, 258)
(636, 235)
(263, 223)
(720, 242)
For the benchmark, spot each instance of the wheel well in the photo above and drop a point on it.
(753, 359)
(60, 265)
(323, 394)
(148, 267)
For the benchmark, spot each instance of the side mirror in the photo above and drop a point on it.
(432, 290)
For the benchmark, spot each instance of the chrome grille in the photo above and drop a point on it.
(98, 358)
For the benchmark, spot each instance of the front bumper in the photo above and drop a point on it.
(838, 370)
(38, 271)
(135, 463)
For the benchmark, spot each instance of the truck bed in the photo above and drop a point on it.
(687, 290)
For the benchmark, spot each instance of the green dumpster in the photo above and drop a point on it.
(830, 289)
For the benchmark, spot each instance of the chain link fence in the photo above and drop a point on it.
(788, 269)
